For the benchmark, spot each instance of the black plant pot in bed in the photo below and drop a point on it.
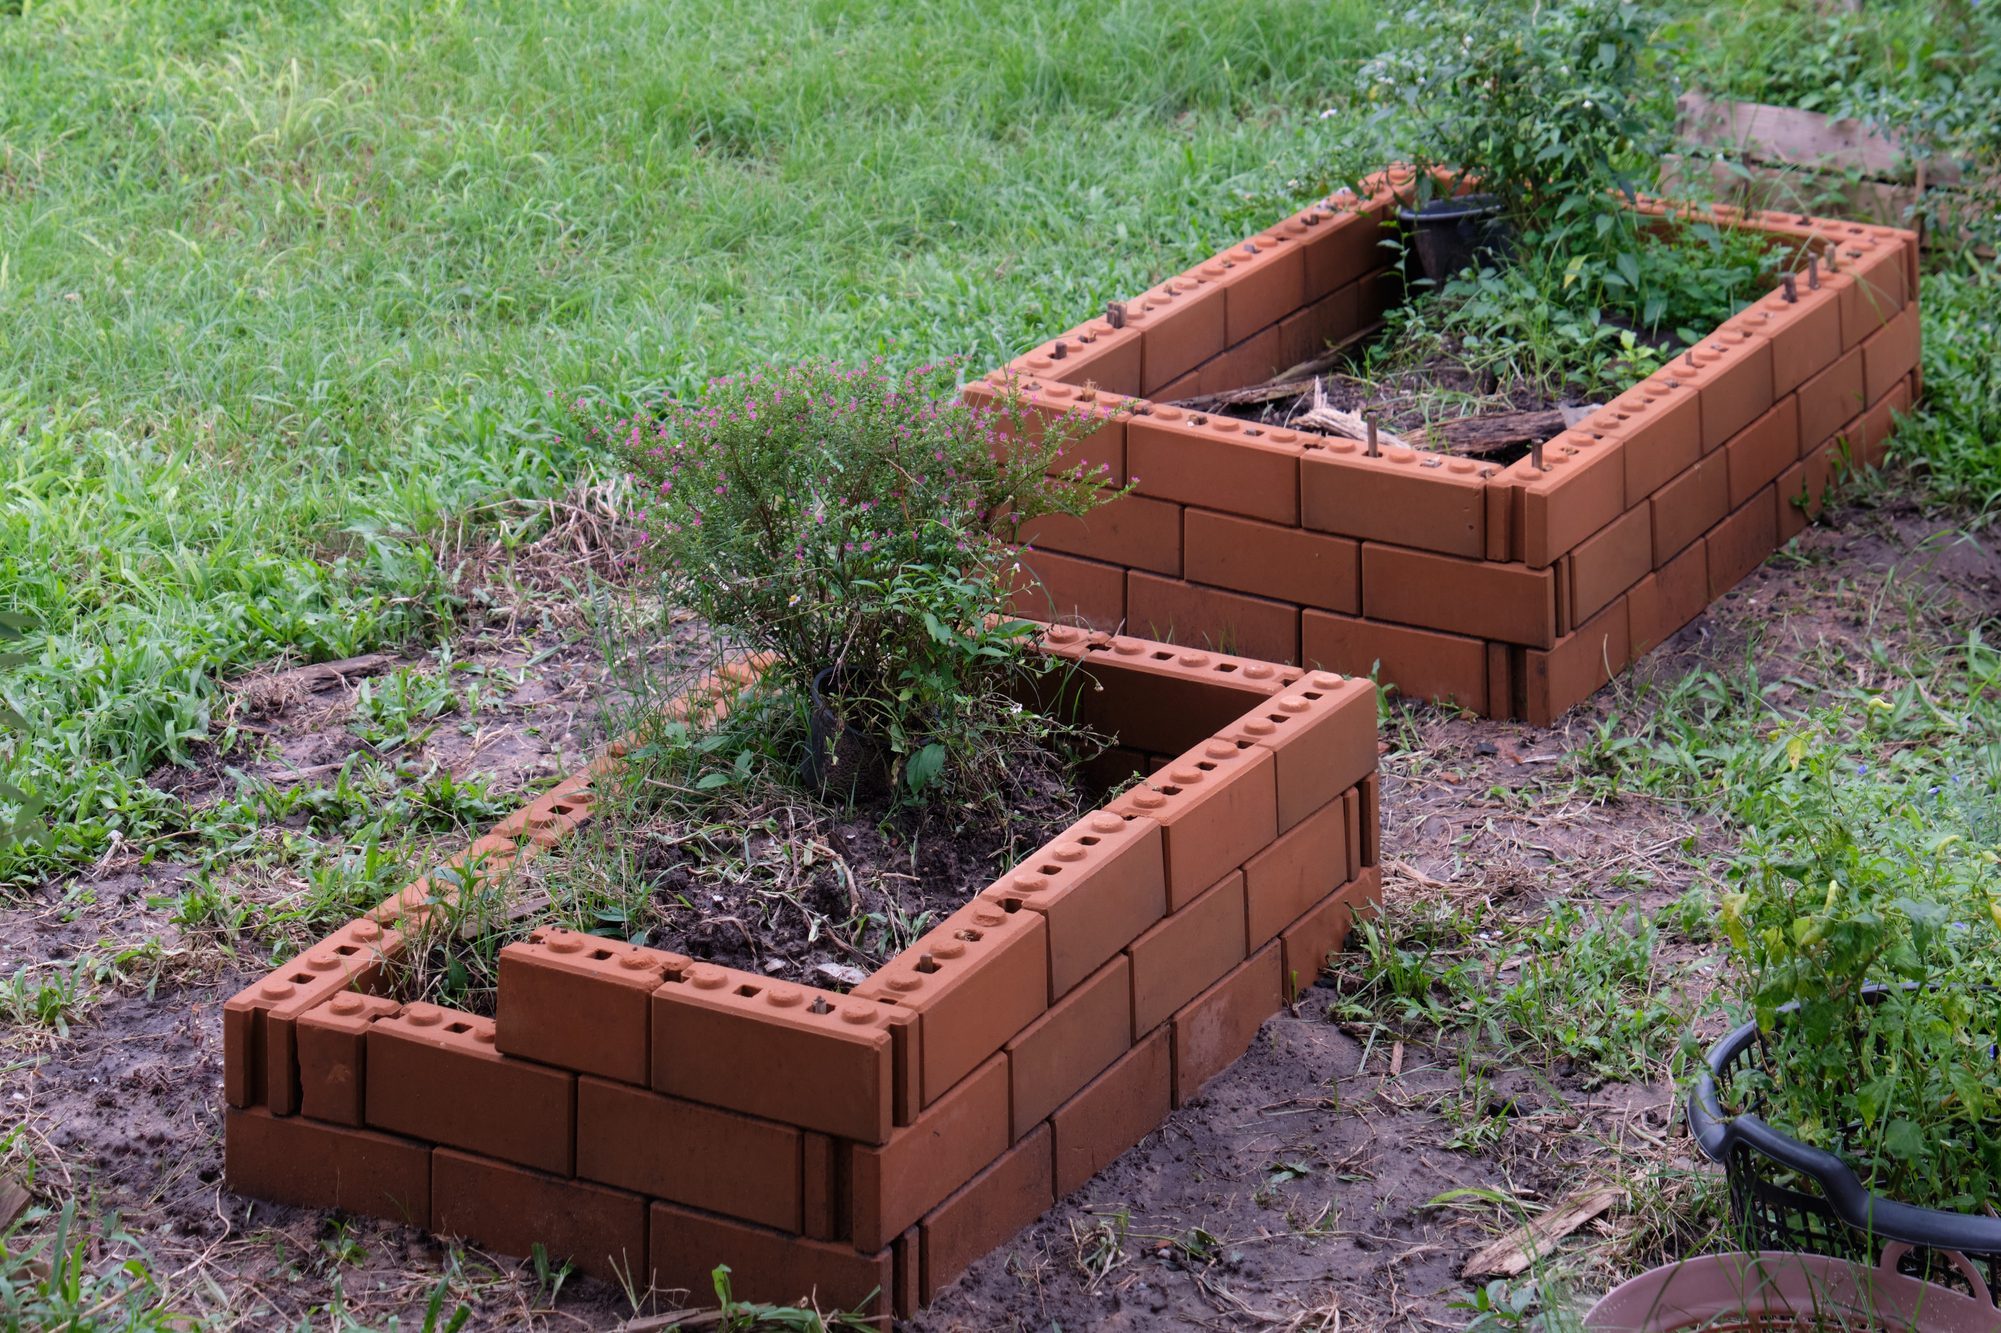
(1452, 235)
(1788, 1195)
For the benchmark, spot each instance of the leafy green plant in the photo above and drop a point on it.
(1871, 864)
(856, 525)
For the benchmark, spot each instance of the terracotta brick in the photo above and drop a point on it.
(1802, 491)
(1658, 427)
(1179, 612)
(1217, 1026)
(1762, 450)
(435, 1075)
(260, 1062)
(1252, 361)
(1689, 506)
(1666, 600)
(579, 1002)
(1216, 805)
(1830, 400)
(1129, 530)
(989, 1209)
(1097, 885)
(1350, 244)
(1021, 407)
(1216, 462)
(1805, 332)
(1065, 589)
(776, 1051)
(1509, 602)
(765, 1266)
(689, 1153)
(1890, 354)
(1116, 1110)
(1331, 319)
(1070, 1045)
(1421, 664)
(1266, 282)
(1372, 820)
(1580, 663)
(1182, 326)
(1351, 805)
(974, 980)
(1324, 928)
(820, 1188)
(1732, 375)
(1880, 420)
(1580, 487)
(1617, 557)
(1273, 560)
(908, 1253)
(1285, 879)
(1097, 355)
(1157, 698)
(958, 1135)
(300, 1162)
(1877, 292)
(332, 1042)
(602, 1231)
(1186, 953)
(1405, 497)
(1740, 543)
(1321, 731)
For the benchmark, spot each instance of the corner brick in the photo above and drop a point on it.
(259, 1059)
(975, 980)
(1097, 885)
(1321, 732)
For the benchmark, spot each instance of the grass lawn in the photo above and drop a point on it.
(285, 291)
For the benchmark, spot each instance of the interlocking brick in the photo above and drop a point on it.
(689, 1153)
(435, 1075)
(1270, 560)
(956, 1136)
(988, 1209)
(1186, 953)
(602, 1231)
(1216, 805)
(1070, 1045)
(1422, 664)
(1217, 1026)
(302, 1162)
(1179, 612)
(1113, 1112)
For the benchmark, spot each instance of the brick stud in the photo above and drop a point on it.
(323, 960)
(785, 997)
(1260, 726)
(484, 1034)
(1193, 659)
(1062, 634)
(1461, 465)
(564, 942)
(345, 1004)
(634, 961)
(1219, 750)
(1294, 705)
(276, 990)
(1029, 883)
(947, 949)
(1185, 777)
(424, 1015)
(1070, 855)
(1149, 799)
(1106, 823)
(1328, 680)
(705, 977)
(1125, 647)
(1258, 671)
(365, 931)
(857, 1014)
(1401, 455)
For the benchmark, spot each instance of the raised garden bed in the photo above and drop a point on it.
(652, 1117)
(1517, 590)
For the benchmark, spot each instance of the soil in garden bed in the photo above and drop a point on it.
(1440, 403)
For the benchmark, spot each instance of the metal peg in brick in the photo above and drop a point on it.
(1115, 314)
(1792, 289)
(1813, 272)
(1374, 450)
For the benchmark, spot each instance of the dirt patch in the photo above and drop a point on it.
(1316, 1176)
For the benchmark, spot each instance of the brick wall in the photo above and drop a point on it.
(1513, 591)
(651, 1116)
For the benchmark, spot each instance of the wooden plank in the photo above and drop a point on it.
(1788, 136)
(1791, 189)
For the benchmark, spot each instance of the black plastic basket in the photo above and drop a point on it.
(1841, 1218)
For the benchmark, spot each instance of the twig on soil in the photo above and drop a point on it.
(1513, 1253)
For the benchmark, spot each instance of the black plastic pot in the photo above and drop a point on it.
(1841, 1218)
(823, 724)
(1452, 235)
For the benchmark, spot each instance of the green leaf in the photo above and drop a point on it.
(924, 766)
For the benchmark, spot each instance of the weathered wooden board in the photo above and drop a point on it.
(1788, 137)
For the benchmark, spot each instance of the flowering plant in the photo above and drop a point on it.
(859, 526)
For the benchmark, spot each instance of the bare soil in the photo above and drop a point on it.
(1320, 1183)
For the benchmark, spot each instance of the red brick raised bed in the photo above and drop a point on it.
(651, 1117)
(1516, 591)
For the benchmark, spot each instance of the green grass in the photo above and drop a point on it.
(283, 286)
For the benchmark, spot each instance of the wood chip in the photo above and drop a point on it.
(1511, 1254)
